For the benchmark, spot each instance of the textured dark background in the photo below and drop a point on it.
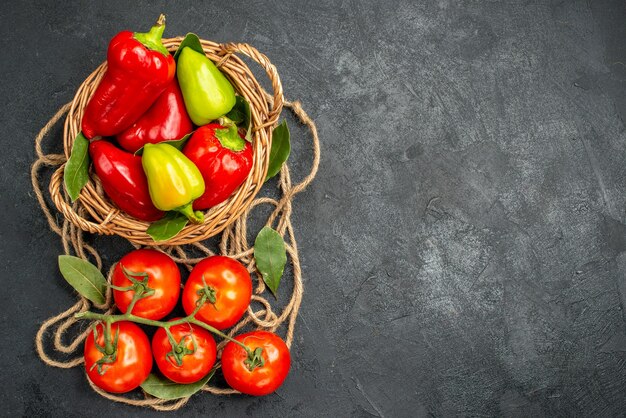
(464, 244)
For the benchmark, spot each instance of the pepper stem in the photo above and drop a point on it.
(229, 135)
(194, 216)
(152, 38)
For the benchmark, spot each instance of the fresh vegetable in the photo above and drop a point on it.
(123, 180)
(159, 278)
(139, 69)
(173, 180)
(227, 287)
(255, 363)
(166, 120)
(117, 359)
(207, 92)
(223, 157)
(265, 371)
(186, 355)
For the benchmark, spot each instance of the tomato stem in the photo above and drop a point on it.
(108, 344)
(190, 319)
(140, 287)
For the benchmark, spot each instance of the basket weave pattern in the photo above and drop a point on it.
(93, 212)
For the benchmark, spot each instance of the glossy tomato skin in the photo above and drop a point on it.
(132, 364)
(164, 278)
(233, 291)
(195, 366)
(265, 379)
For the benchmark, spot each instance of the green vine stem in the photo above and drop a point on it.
(128, 316)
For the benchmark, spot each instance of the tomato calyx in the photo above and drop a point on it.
(139, 286)
(180, 349)
(207, 294)
(255, 359)
(108, 349)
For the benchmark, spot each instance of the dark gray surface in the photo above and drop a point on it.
(463, 246)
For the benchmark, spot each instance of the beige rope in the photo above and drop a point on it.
(233, 243)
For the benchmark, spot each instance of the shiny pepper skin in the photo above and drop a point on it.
(123, 180)
(166, 120)
(224, 164)
(173, 180)
(139, 68)
(208, 93)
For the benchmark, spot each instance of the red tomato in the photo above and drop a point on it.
(195, 365)
(262, 380)
(163, 278)
(132, 363)
(232, 285)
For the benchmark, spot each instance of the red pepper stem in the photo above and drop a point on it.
(194, 216)
(156, 32)
(152, 38)
(229, 136)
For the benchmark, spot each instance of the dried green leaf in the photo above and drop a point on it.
(281, 147)
(162, 388)
(242, 116)
(167, 227)
(192, 41)
(270, 256)
(76, 173)
(84, 277)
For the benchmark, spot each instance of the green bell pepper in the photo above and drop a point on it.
(173, 180)
(207, 92)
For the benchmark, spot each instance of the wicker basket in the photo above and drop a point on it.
(93, 211)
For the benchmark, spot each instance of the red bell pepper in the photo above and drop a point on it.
(166, 119)
(224, 159)
(123, 180)
(139, 69)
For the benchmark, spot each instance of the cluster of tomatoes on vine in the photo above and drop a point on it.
(146, 288)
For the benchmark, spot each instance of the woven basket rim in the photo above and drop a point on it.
(95, 213)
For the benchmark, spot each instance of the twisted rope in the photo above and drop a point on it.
(233, 243)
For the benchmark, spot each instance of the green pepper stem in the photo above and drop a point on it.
(194, 216)
(225, 121)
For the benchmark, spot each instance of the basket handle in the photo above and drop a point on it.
(270, 70)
